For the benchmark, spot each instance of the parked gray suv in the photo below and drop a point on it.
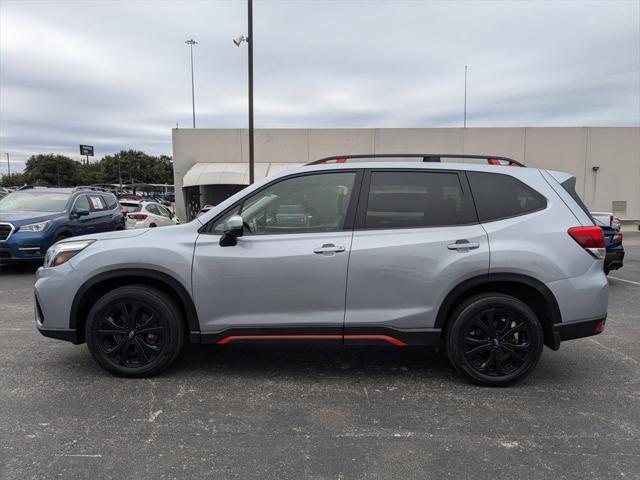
(488, 262)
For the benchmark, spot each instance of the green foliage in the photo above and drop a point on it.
(13, 180)
(53, 170)
(50, 169)
(137, 165)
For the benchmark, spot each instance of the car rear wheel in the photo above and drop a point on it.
(135, 331)
(494, 339)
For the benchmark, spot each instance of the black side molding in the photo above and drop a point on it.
(66, 334)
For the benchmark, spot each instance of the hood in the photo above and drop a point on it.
(115, 235)
(23, 218)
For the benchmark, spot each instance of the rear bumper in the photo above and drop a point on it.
(577, 329)
(614, 260)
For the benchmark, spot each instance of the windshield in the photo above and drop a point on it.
(34, 202)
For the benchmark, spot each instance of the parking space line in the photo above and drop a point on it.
(628, 281)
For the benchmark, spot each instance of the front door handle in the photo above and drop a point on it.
(328, 248)
(463, 245)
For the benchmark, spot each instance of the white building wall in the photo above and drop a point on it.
(616, 150)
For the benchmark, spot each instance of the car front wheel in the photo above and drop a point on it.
(494, 339)
(135, 331)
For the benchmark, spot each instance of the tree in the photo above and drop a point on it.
(13, 180)
(52, 170)
(137, 166)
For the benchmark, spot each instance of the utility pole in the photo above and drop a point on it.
(465, 96)
(191, 42)
(8, 165)
(250, 42)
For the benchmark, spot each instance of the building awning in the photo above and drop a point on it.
(230, 173)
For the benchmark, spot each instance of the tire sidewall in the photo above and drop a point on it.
(458, 326)
(159, 302)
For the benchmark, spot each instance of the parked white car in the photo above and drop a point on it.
(607, 218)
(147, 214)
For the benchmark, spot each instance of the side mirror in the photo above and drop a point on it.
(80, 212)
(233, 228)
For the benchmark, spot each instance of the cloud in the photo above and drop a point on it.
(116, 74)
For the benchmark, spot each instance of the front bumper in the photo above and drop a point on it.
(578, 329)
(68, 335)
(26, 246)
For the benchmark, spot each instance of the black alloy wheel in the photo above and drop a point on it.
(131, 334)
(494, 339)
(135, 331)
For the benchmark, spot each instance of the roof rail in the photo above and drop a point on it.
(426, 157)
(89, 187)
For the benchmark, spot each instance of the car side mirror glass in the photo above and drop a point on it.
(233, 228)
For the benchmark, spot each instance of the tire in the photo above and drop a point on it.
(153, 225)
(150, 346)
(61, 236)
(502, 333)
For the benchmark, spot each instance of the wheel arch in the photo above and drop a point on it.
(95, 287)
(535, 294)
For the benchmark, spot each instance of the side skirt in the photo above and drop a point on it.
(361, 335)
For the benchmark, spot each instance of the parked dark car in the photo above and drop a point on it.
(34, 218)
(615, 251)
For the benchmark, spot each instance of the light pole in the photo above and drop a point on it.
(465, 96)
(8, 165)
(191, 42)
(249, 40)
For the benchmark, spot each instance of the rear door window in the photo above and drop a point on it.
(152, 209)
(500, 196)
(398, 199)
(97, 203)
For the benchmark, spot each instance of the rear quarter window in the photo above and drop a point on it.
(110, 201)
(499, 196)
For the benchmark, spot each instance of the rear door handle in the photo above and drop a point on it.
(328, 248)
(463, 245)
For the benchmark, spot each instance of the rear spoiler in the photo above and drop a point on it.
(426, 157)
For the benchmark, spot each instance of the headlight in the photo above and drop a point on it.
(35, 227)
(63, 252)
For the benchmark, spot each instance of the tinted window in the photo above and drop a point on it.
(311, 203)
(97, 203)
(82, 203)
(130, 207)
(570, 187)
(502, 196)
(417, 199)
(110, 201)
(152, 209)
(164, 212)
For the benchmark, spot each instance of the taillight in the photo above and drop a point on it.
(138, 216)
(590, 238)
(125, 212)
(617, 238)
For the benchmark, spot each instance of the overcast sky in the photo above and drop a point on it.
(115, 74)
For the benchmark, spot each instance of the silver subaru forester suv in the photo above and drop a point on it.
(488, 262)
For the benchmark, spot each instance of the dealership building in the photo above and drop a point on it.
(212, 164)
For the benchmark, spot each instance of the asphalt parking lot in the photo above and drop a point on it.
(293, 412)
